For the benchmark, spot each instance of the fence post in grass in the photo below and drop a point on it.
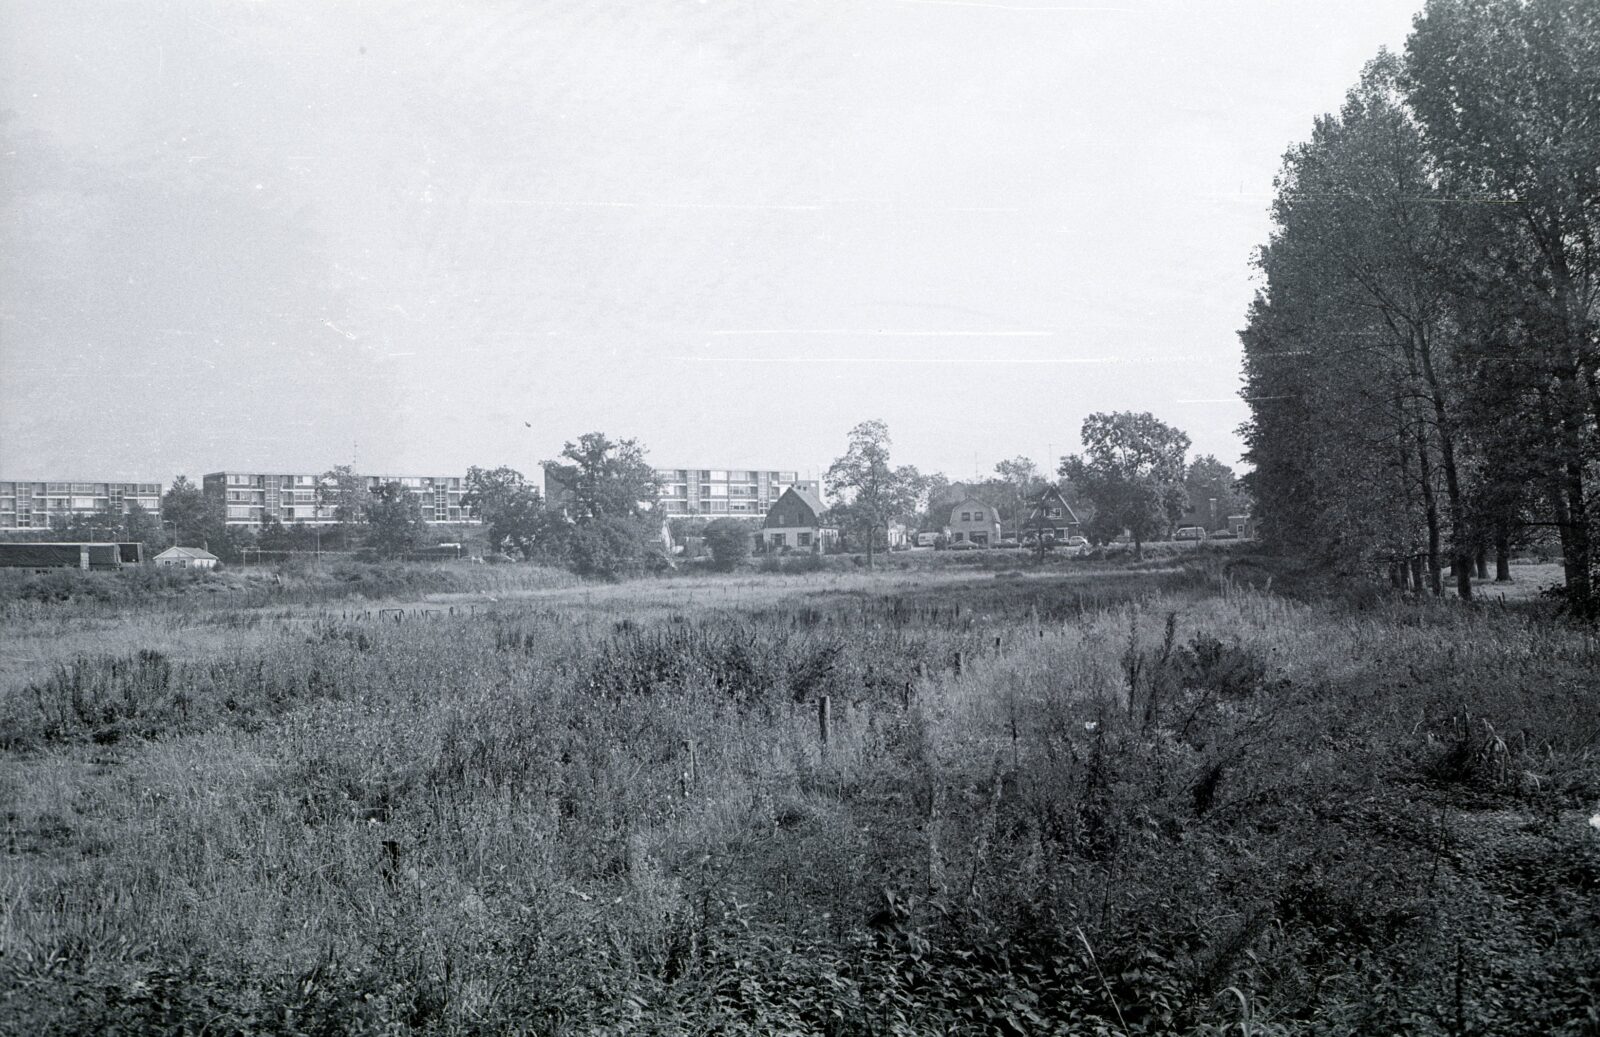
(825, 721)
(691, 768)
(959, 660)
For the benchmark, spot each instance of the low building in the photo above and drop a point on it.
(44, 505)
(187, 558)
(974, 521)
(1050, 516)
(70, 555)
(794, 522)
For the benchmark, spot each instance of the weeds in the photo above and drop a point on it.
(1135, 807)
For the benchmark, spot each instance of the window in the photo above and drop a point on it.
(958, 536)
(966, 516)
(1055, 512)
(977, 516)
(778, 539)
(803, 539)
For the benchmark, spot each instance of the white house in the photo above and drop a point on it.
(975, 521)
(187, 558)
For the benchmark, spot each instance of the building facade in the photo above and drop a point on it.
(794, 523)
(252, 498)
(1051, 517)
(726, 491)
(975, 521)
(41, 505)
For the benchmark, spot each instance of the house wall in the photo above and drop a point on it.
(974, 521)
(816, 537)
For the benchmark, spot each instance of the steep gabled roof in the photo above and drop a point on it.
(1051, 496)
(199, 554)
(807, 498)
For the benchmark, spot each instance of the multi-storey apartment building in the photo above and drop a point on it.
(251, 498)
(726, 491)
(41, 505)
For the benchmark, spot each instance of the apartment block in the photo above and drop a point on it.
(41, 505)
(726, 491)
(252, 498)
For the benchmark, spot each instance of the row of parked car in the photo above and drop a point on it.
(1075, 547)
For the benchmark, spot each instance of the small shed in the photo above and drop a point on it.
(187, 558)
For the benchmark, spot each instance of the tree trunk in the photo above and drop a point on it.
(1481, 563)
(1502, 559)
(1397, 575)
(1575, 542)
(1138, 549)
(1430, 505)
(1447, 459)
(1417, 562)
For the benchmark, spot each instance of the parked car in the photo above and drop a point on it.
(1223, 534)
(962, 545)
(1077, 547)
(1190, 533)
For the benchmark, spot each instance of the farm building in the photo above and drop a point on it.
(70, 555)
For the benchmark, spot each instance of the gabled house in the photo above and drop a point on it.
(1050, 515)
(974, 521)
(187, 558)
(794, 522)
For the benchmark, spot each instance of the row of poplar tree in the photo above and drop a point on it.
(1421, 361)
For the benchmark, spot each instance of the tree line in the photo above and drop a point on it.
(1421, 359)
(601, 518)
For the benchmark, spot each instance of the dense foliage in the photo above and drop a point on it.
(1422, 361)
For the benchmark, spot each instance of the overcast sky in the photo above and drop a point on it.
(421, 236)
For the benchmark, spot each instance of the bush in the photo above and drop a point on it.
(729, 541)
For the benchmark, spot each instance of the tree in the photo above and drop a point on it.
(1505, 91)
(512, 509)
(1207, 480)
(729, 542)
(1018, 481)
(344, 492)
(604, 478)
(141, 526)
(1132, 469)
(394, 521)
(870, 493)
(601, 520)
(196, 517)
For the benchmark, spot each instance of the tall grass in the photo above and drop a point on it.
(1052, 804)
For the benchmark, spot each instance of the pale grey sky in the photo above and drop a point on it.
(274, 235)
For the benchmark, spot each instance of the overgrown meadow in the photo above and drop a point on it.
(1071, 800)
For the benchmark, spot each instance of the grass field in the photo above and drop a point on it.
(1074, 799)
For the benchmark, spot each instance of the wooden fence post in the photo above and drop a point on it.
(825, 721)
